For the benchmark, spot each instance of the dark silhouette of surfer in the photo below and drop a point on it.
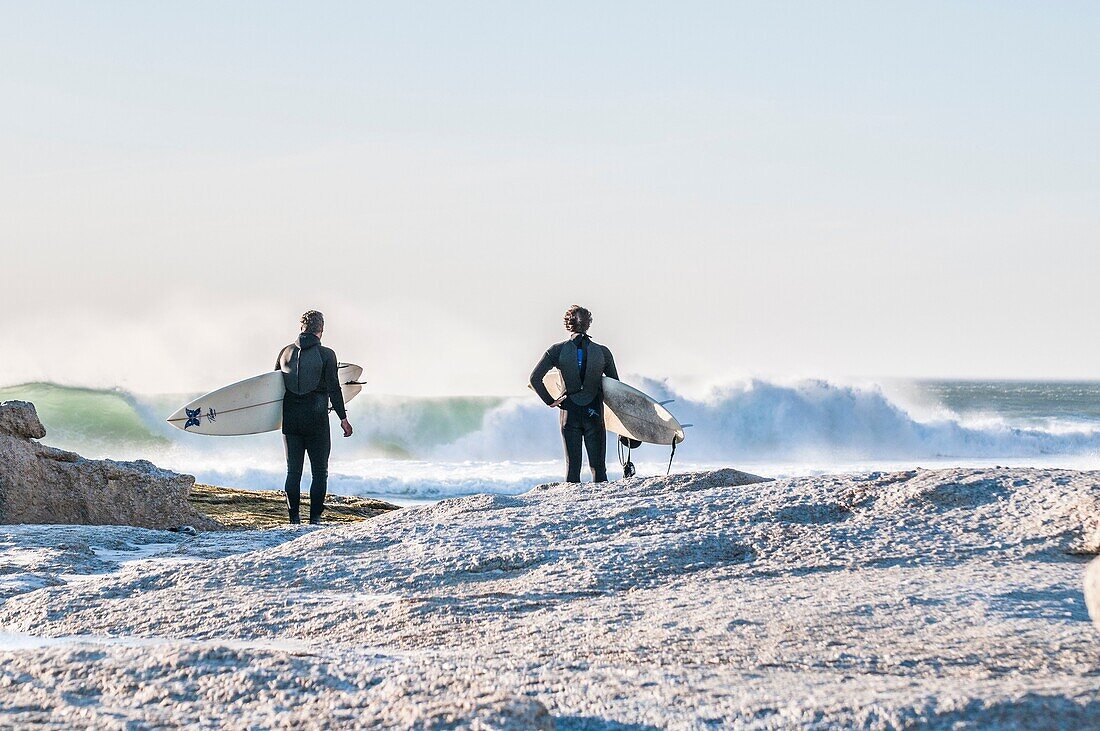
(310, 375)
(582, 363)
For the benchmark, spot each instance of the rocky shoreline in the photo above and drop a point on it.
(45, 485)
(944, 599)
(933, 598)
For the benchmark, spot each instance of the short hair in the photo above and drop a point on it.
(313, 322)
(577, 319)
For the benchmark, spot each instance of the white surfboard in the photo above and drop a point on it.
(251, 406)
(628, 412)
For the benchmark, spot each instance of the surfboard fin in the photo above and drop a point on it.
(663, 403)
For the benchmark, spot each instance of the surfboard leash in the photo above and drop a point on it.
(627, 465)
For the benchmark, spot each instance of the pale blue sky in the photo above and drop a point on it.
(837, 189)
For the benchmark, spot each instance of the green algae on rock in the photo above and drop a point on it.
(249, 509)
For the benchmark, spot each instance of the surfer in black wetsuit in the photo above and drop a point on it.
(582, 363)
(309, 372)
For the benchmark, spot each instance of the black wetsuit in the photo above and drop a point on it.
(309, 372)
(583, 364)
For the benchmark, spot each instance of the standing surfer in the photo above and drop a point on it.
(582, 363)
(309, 373)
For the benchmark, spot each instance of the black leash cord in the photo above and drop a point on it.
(624, 462)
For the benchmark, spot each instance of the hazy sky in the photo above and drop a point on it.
(780, 189)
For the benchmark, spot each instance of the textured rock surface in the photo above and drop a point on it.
(40, 484)
(19, 419)
(933, 599)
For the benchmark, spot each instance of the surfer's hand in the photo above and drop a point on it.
(557, 403)
(346, 426)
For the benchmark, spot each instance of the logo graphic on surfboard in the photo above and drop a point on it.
(194, 417)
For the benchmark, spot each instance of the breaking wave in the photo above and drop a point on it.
(435, 446)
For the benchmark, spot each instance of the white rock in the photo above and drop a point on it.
(696, 601)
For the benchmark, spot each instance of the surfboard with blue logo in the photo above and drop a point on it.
(251, 406)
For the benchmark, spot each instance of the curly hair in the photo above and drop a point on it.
(577, 319)
(313, 322)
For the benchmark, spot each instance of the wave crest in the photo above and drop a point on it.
(458, 445)
(805, 421)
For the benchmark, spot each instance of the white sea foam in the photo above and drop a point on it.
(434, 447)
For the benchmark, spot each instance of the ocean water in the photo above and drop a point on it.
(410, 449)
